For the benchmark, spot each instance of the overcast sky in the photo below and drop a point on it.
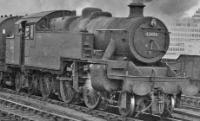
(158, 8)
(193, 9)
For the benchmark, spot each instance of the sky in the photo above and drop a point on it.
(160, 8)
(191, 11)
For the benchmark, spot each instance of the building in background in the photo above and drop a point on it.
(196, 16)
(184, 37)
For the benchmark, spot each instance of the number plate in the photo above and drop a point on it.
(152, 34)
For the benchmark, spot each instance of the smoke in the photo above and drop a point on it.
(160, 8)
(63, 4)
(22, 7)
(166, 10)
(170, 8)
(116, 7)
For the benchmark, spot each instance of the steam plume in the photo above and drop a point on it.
(170, 8)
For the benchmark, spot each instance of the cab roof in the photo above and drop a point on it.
(4, 19)
(37, 17)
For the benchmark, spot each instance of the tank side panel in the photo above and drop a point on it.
(102, 38)
(50, 47)
(2, 48)
(101, 41)
(13, 50)
(9, 49)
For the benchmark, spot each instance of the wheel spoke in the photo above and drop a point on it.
(91, 98)
(129, 110)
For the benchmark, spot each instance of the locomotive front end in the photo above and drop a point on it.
(148, 40)
(134, 48)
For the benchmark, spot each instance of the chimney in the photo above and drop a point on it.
(136, 8)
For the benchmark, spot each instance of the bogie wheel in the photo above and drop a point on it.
(45, 86)
(18, 82)
(169, 106)
(178, 100)
(91, 98)
(172, 103)
(67, 92)
(126, 104)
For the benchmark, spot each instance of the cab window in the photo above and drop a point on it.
(29, 32)
(9, 34)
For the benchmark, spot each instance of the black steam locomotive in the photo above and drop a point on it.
(94, 57)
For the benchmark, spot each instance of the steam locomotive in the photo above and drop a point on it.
(95, 58)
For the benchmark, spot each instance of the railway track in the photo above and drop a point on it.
(28, 112)
(19, 106)
(6, 117)
(59, 108)
(189, 109)
(187, 114)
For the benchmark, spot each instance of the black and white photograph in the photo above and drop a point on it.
(99, 60)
